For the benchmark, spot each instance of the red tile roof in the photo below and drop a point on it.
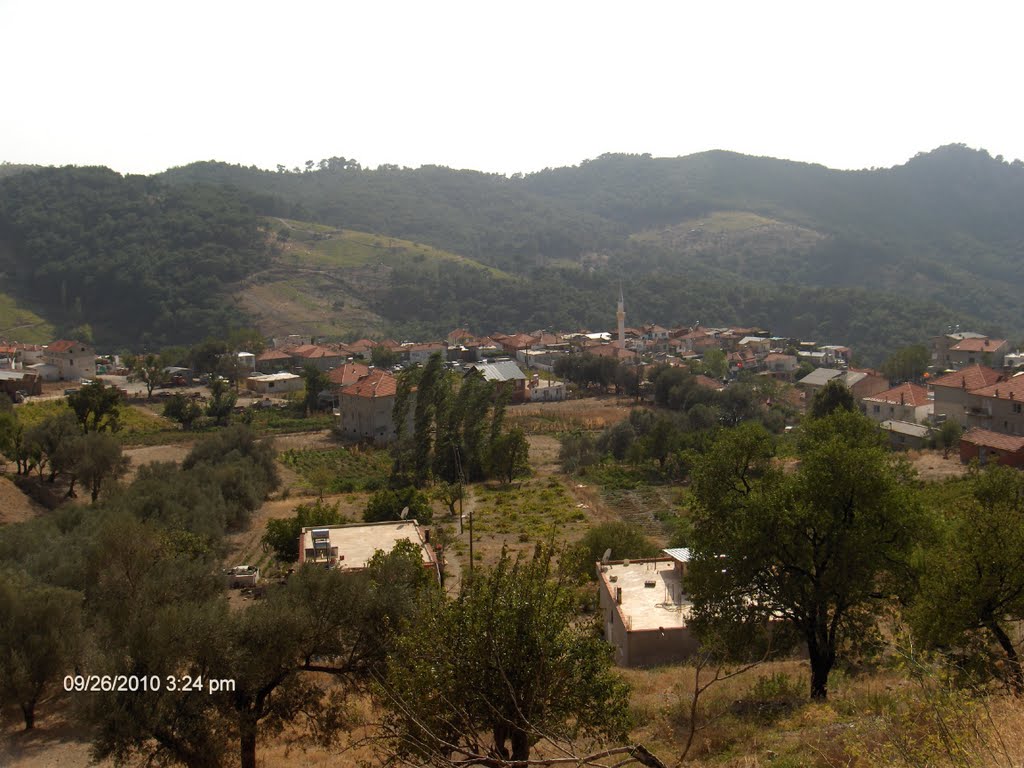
(1011, 389)
(707, 382)
(377, 383)
(970, 378)
(346, 374)
(62, 346)
(272, 354)
(612, 350)
(428, 346)
(314, 352)
(361, 346)
(988, 439)
(905, 394)
(978, 345)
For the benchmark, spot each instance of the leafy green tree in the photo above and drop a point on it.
(97, 407)
(625, 540)
(205, 358)
(510, 455)
(814, 546)
(383, 357)
(677, 388)
(183, 410)
(40, 627)
(908, 363)
(388, 504)
(402, 448)
(282, 534)
(100, 460)
(491, 671)
(577, 452)
(660, 442)
(150, 370)
(423, 419)
(316, 382)
(972, 581)
(323, 621)
(617, 440)
(222, 402)
(448, 494)
(737, 403)
(233, 444)
(949, 436)
(472, 404)
(715, 364)
(53, 442)
(834, 396)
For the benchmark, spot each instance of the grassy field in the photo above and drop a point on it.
(316, 244)
(20, 324)
(138, 426)
(340, 470)
(884, 716)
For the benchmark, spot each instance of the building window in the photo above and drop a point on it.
(1016, 408)
(878, 409)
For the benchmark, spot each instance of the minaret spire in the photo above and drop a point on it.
(620, 315)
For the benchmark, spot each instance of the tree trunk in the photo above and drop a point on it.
(247, 741)
(1015, 673)
(28, 710)
(520, 745)
(822, 658)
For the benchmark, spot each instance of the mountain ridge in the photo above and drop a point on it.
(943, 233)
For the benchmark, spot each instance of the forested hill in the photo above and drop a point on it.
(130, 260)
(944, 230)
(872, 258)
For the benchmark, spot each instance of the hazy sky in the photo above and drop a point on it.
(503, 86)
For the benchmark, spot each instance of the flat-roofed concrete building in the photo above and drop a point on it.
(904, 435)
(350, 547)
(645, 609)
(275, 383)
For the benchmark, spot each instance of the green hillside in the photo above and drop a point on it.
(323, 281)
(17, 323)
(871, 258)
(126, 259)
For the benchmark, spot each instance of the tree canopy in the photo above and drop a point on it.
(500, 667)
(813, 546)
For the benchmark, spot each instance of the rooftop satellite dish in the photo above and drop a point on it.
(405, 513)
(607, 554)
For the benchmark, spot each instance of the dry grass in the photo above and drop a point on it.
(591, 414)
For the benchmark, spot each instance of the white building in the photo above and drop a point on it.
(275, 383)
(73, 360)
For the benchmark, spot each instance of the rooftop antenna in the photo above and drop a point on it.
(607, 554)
(405, 513)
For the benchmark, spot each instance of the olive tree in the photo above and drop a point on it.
(812, 546)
